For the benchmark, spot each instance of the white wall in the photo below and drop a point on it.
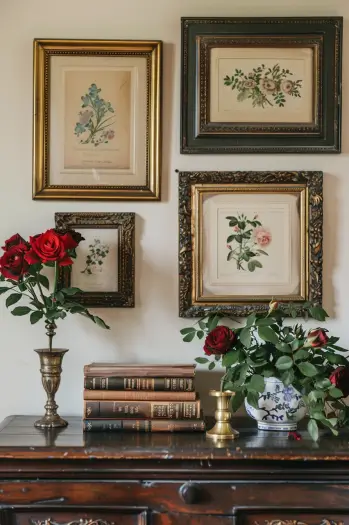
(150, 332)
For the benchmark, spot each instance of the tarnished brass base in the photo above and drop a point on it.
(222, 429)
(51, 369)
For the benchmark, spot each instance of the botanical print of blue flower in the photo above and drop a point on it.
(94, 125)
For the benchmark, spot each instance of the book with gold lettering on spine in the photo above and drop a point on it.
(142, 409)
(144, 425)
(138, 395)
(172, 384)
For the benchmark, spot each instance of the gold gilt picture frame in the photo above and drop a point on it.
(97, 119)
(246, 238)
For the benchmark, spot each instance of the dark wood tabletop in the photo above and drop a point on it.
(20, 439)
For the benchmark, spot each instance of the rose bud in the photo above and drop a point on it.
(317, 338)
(340, 379)
(219, 341)
(273, 305)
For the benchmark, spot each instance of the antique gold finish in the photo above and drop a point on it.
(51, 369)
(44, 50)
(194, 187)
(222, 429)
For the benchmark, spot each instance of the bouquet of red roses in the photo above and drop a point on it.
(21, 267)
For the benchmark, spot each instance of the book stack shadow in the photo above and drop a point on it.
(141, 398)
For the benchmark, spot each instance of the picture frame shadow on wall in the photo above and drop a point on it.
(104, 268)
(261, 85)
(97, 119)
(246, 238)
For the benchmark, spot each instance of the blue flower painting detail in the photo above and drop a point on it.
(288, 394)
(95, 121)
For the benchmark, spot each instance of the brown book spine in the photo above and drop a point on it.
(139, 371)
(128, 395)
(143, 425)
(157, 384)
(142, 409)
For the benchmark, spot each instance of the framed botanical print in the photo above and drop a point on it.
(261, 85)
(246, 238)
(104, 269)
(97, 119)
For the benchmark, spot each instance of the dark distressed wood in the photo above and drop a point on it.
(64, 477)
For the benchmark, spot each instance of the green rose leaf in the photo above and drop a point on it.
(335, 392)
(307, 369)
(284, 347)
(252, 399)
(265, 321)
(230, 238)
(71, 291)
(100, 322)
(318, 313)
(202, 360)
(313, 429)
(200, 334)
(188, 330)
(213, 322)
(252, 265)
(202, 325)
(256, 383)
(36, 316)
(314, 395)
(230, 358)
(336, 359)
(267, 334)
(236, 401)
(301, 354)
(268, 372)
(284, 363)
(187, 338)
(21, 310)
(60, 297)
(44, 281)
(250, 319)
(4, 289)
(288, 377)
(245, 337)
(78, 309)
(13, 299)
(323, 384)
(212, 365)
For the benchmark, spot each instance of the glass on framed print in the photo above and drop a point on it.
(97, 119)
(261, 85)
(104, 266)
(247, 238)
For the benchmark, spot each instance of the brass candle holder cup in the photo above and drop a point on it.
(222, 429)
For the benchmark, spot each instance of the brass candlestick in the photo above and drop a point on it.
(222, 429)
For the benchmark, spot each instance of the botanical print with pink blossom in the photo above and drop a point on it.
(248, 242)
(264, 86)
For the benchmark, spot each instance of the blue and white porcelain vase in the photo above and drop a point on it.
(280, 407)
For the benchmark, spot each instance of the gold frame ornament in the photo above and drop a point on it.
(44, 51)
(195, 186)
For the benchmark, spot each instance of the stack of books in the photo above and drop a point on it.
(141, 398)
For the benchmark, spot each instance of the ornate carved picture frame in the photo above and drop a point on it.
(246, 238)
(97, 119)
(104, 268)
(261, 85)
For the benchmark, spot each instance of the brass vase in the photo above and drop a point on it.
(222, 429)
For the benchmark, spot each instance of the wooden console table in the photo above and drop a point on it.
(65, 477)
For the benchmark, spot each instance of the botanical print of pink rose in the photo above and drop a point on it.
(262, 236)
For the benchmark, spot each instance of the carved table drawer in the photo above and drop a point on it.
(329, 516)
(117, 516)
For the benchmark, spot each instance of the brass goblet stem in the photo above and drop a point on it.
(222, 428)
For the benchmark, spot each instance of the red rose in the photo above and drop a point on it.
(13, 264)
(219, 341)
(340, 378)
(51, 247)
(317, 338)
(13, 241)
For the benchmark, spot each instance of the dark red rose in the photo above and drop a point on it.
(340, 379)
(13, 241)
(13, 264)
(77, 237)
(317, 338)
(219, 341)
(51, 247)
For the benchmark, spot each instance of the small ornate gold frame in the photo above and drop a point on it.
(43, 51)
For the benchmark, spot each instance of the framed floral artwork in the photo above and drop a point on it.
(97, 119)
(104, 269)
(261, 85)
(246, 238)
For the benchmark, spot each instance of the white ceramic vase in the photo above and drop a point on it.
(280, 407)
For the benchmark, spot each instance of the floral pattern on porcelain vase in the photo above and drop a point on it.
(280, 407)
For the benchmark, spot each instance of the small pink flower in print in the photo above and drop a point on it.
(229, 246)
(262, 236)
(236, 229)
(110, 134)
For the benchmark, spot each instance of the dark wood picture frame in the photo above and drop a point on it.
(201, 35)
(125, 224)
(192, 302)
